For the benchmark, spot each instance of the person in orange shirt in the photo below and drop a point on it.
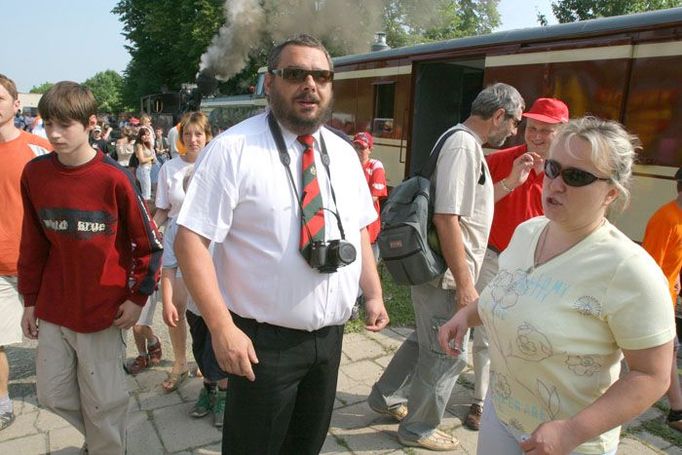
(17, 148)
(663, 241)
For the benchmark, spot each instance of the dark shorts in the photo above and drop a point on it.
(203, 349)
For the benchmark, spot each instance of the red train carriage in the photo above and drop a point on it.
(627, 68)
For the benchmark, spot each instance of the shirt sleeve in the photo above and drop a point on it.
(457, 172)
(34, 248)
(162, 188)
(377, 183)
(147, 246)
(212, 194)
(656, 239)
(638, 308)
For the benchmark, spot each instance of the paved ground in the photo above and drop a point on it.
(159, 423)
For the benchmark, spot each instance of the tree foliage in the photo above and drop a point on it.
(580, 10)
(414, 21)
(42, 88)
(106, 86)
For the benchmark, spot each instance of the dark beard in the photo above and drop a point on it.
(291, 121)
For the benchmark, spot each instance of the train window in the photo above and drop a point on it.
(384, 104)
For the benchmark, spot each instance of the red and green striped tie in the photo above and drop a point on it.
(313, 215)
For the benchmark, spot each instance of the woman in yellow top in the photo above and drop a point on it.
(572, 296)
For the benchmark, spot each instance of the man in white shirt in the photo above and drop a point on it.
(417, 383)
(276, 310)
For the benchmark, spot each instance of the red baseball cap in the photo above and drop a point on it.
(548, 110)
(364, 139)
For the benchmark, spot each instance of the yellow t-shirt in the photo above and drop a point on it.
(556, 331)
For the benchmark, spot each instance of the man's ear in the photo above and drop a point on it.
(498, 116)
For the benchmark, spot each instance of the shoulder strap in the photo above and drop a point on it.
(430, 165)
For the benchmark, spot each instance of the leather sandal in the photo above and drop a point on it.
(438, 441)
(140, 363)
(155, 352)
(174, 381)
(398, 413)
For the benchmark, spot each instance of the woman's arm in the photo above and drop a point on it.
(139, 152)
(451, 334)
(160, 216)
(647, 380)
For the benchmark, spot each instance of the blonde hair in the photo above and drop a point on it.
(197, 119)
(612, 151)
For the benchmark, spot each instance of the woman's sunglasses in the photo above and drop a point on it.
(298, 75)
(571, 176)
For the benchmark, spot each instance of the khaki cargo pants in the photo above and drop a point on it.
(80, 377)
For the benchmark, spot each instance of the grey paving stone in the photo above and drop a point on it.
(155, 399)
(35, 444)
(142, 435)
(49, 421)
(24, 425)
(358, 347)
(65, 441)
(652, 440)
(179, 432)
(632, 446)
(214, 449)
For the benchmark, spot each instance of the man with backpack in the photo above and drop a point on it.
(417, 383)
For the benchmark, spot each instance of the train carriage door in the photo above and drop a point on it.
(443, 92)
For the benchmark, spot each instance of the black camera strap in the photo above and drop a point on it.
(285, 159)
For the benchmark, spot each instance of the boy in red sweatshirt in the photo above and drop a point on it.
(89, 258)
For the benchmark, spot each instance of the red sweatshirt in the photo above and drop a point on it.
(88, 243)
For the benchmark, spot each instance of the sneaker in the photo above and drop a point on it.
(155, 352)
(140, 363)
(219, 408)
(473, 419)
(6, 419)
(204, 404)
(438, 441)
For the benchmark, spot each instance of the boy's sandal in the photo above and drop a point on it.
(140, 363)
(155, 352)
(174, 381)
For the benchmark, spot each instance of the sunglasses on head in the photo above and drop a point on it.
(299, 75)
(570, 175)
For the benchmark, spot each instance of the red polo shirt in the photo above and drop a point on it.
(523, 203)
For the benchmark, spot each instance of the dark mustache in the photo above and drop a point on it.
(307, 99)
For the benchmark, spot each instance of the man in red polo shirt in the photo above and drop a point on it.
(518, 174)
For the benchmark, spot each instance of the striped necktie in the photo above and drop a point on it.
(312, 217)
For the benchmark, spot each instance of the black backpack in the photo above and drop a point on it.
(406, 225)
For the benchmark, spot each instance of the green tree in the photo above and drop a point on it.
(42, 88)
(580, 10)
(107, 86)
(414, 21)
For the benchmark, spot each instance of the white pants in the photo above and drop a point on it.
(80, 377)
(494, 438)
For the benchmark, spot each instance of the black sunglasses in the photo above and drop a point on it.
(571, 176)
(299, 75)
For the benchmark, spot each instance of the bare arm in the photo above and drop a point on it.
(518, 175)
(233, 349)
(377, 317)
(452, 246)
(160, 216)
(647, 380)
(451, 334)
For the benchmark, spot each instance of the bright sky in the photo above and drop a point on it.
(50, 41)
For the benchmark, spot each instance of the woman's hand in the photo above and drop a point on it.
(170, 315)
(551, 438)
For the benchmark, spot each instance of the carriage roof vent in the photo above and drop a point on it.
(379, 43)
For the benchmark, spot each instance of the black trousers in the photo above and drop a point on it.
(287, 409)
